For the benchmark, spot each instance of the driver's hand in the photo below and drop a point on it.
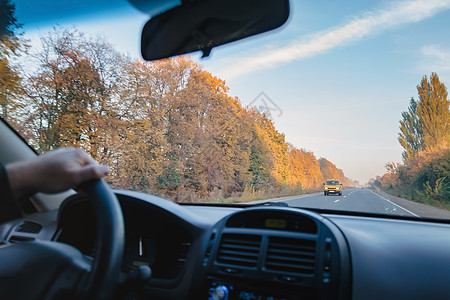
(53, 172)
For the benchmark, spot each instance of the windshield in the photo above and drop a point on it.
(355, 91)
(332, 182)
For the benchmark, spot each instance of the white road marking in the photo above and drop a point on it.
(336, 200)
(345, 196)
(395, 204)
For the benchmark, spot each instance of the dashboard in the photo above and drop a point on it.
(259, 252)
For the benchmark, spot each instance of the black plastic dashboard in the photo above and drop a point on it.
(216, 252)
(267, 253)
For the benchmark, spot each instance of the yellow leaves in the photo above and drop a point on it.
(392, 167)
(426, 123)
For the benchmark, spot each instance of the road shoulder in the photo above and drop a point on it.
(421, 209)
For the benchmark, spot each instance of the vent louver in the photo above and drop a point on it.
(239, 250)
(29, 227)
(19, 239)
(291, 255)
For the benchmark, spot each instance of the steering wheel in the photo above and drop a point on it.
(52, 270)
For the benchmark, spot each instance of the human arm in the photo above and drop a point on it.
(53, 172)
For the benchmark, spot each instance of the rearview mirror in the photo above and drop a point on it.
(205, 24)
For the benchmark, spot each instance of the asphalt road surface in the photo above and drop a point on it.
(366, 200)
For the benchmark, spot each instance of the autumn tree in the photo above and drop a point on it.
(303, 168)
(433, 112)
(426, 123)
(148, 93)
(330, 171)
(260, 163)
(182, 128)
(276, 145)
(207, 135)
(410, 135)
(11, 46)
(71, 94)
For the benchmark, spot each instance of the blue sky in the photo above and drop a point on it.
(341, 72)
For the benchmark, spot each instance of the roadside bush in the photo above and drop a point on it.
(424, 177)
(440, 191)
(435, 170)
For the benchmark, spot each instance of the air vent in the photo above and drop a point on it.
(239, 250)
(19, 239)
(210, 245)
(291, 255)
(29, 227)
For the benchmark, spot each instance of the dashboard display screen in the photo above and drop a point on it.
(275, 220)
(276, 223)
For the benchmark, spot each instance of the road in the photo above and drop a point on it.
(365, 200)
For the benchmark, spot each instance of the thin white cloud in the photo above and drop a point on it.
(372, 22)
(436, 58)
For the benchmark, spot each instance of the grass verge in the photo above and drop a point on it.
(248, 195)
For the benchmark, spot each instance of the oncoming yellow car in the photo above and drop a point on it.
(332, 187)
